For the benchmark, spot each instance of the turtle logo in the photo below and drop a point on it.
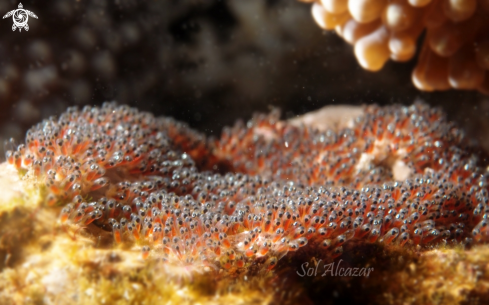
(20, 17)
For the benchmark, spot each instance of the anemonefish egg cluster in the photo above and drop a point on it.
(455, 50)
(286, 187)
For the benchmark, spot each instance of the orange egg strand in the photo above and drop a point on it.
(455, 51)
(287, 187)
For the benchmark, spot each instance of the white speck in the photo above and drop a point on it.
(287, 144)
(55, 281)
(182, 292)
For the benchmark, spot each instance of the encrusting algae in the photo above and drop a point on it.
(455, 48)
(266, 193)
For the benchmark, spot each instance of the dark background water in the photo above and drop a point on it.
(205, 62)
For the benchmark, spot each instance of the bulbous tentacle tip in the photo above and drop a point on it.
(453, 50)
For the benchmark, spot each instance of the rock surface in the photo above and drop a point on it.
(44, 262)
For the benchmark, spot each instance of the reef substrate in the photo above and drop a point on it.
(123, 204)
